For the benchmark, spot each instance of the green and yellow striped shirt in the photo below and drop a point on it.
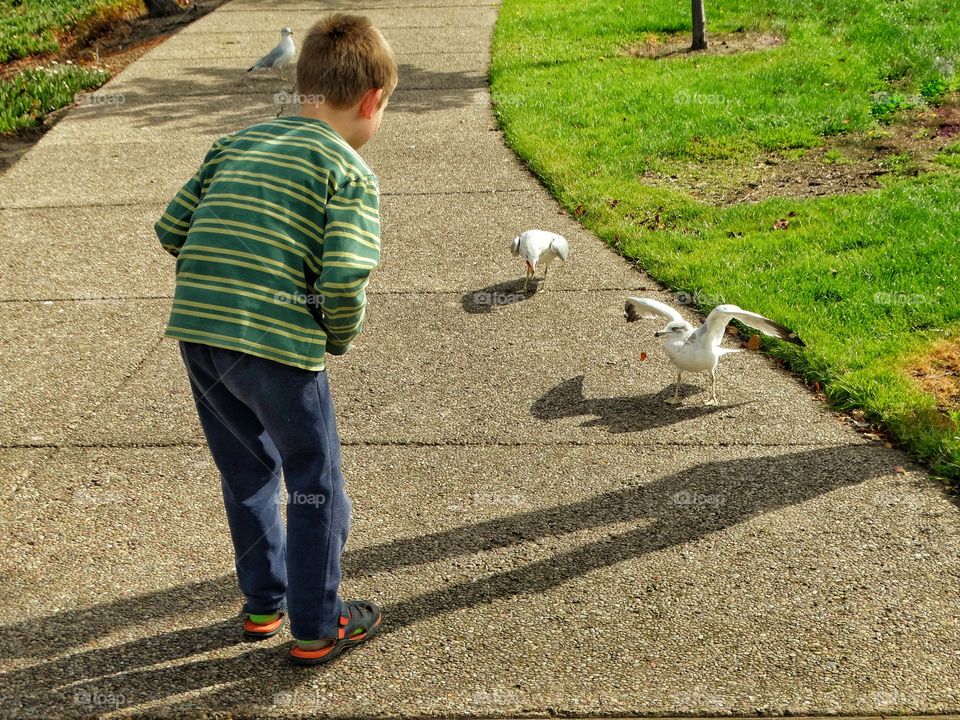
(275, 237)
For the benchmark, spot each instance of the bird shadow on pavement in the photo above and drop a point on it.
(510, 292)
(66, 678)
(620, 414)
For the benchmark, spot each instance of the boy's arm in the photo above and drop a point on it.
(173, 225)
(351, 249)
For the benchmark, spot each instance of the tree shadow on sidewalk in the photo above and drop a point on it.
(422, 91)
(125, 673)
(212, 100)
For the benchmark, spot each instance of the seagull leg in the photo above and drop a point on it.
(280, 97)
(713, 376)
(675, 398)
(526, 282)
(543, 283)
(282, 74)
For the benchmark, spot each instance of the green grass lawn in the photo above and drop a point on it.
(36, 27)
(869, 280)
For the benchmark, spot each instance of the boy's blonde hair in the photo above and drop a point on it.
(344, 56)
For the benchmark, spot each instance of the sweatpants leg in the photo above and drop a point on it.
(249, 466)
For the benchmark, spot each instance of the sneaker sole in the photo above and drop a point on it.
(254, 635)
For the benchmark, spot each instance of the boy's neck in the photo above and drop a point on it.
(343, 121)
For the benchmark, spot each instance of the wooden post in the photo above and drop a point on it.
(699, 26)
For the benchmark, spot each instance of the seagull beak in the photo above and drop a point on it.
(660, 333)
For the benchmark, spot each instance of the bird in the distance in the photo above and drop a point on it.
(279, 57)
(539, 247)
(698, 350)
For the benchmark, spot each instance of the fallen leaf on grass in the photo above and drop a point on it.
(781, 224)
(753, 343)
(579, 211)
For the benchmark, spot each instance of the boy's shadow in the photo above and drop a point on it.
(147, 670)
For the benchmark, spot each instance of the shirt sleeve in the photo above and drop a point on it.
(351, 250)
(173, 225)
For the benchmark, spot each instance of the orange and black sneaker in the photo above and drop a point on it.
(359, 622)
(261, 627)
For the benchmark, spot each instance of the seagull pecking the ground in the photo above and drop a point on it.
(280, 56)
(539, 247)
(698, 350)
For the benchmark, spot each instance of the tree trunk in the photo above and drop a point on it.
(162, 8)
(699, 26)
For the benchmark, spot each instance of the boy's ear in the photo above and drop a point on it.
(370, 102)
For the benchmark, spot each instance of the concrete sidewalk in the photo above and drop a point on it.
(546, 535)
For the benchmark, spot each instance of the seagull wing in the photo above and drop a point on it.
(649, 309)
(270, 58)
(533, 243)
(721, 315)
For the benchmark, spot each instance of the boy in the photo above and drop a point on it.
(275, 237)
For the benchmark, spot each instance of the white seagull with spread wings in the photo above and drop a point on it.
(698, 350)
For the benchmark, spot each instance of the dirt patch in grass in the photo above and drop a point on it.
(109, 42)
(655, 46)
(843, 164)
(938, 373)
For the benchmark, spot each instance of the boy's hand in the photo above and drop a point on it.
(334, 348)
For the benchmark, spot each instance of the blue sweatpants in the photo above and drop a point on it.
(261, 416)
